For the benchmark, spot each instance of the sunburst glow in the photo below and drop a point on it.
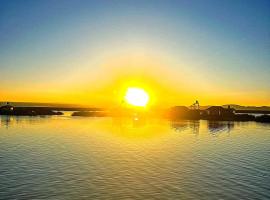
(137, 97)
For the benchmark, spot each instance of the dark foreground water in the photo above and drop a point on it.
(103, 158)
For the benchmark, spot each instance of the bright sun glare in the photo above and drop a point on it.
(136, 97)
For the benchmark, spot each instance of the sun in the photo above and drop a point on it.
(137, 97)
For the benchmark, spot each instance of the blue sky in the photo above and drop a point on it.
(223, 46)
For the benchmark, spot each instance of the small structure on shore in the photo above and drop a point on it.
(195, 106)
(7, 108)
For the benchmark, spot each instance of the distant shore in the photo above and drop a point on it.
(29, 111)
(191, 115)
(172, 114)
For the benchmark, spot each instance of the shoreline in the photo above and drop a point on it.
(172, 114)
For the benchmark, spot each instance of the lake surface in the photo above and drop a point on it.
(65, 157)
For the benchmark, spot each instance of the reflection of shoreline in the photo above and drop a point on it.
(193, 126)
(9, 120)
(6, 120)
(215, 127)
(180, 126)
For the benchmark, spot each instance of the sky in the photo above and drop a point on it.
(90, 52)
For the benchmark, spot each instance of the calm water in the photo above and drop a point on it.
(103, 158)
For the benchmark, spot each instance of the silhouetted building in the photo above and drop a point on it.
(219, 111)
(231, 110)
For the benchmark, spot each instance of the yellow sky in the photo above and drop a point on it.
(106, 85)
